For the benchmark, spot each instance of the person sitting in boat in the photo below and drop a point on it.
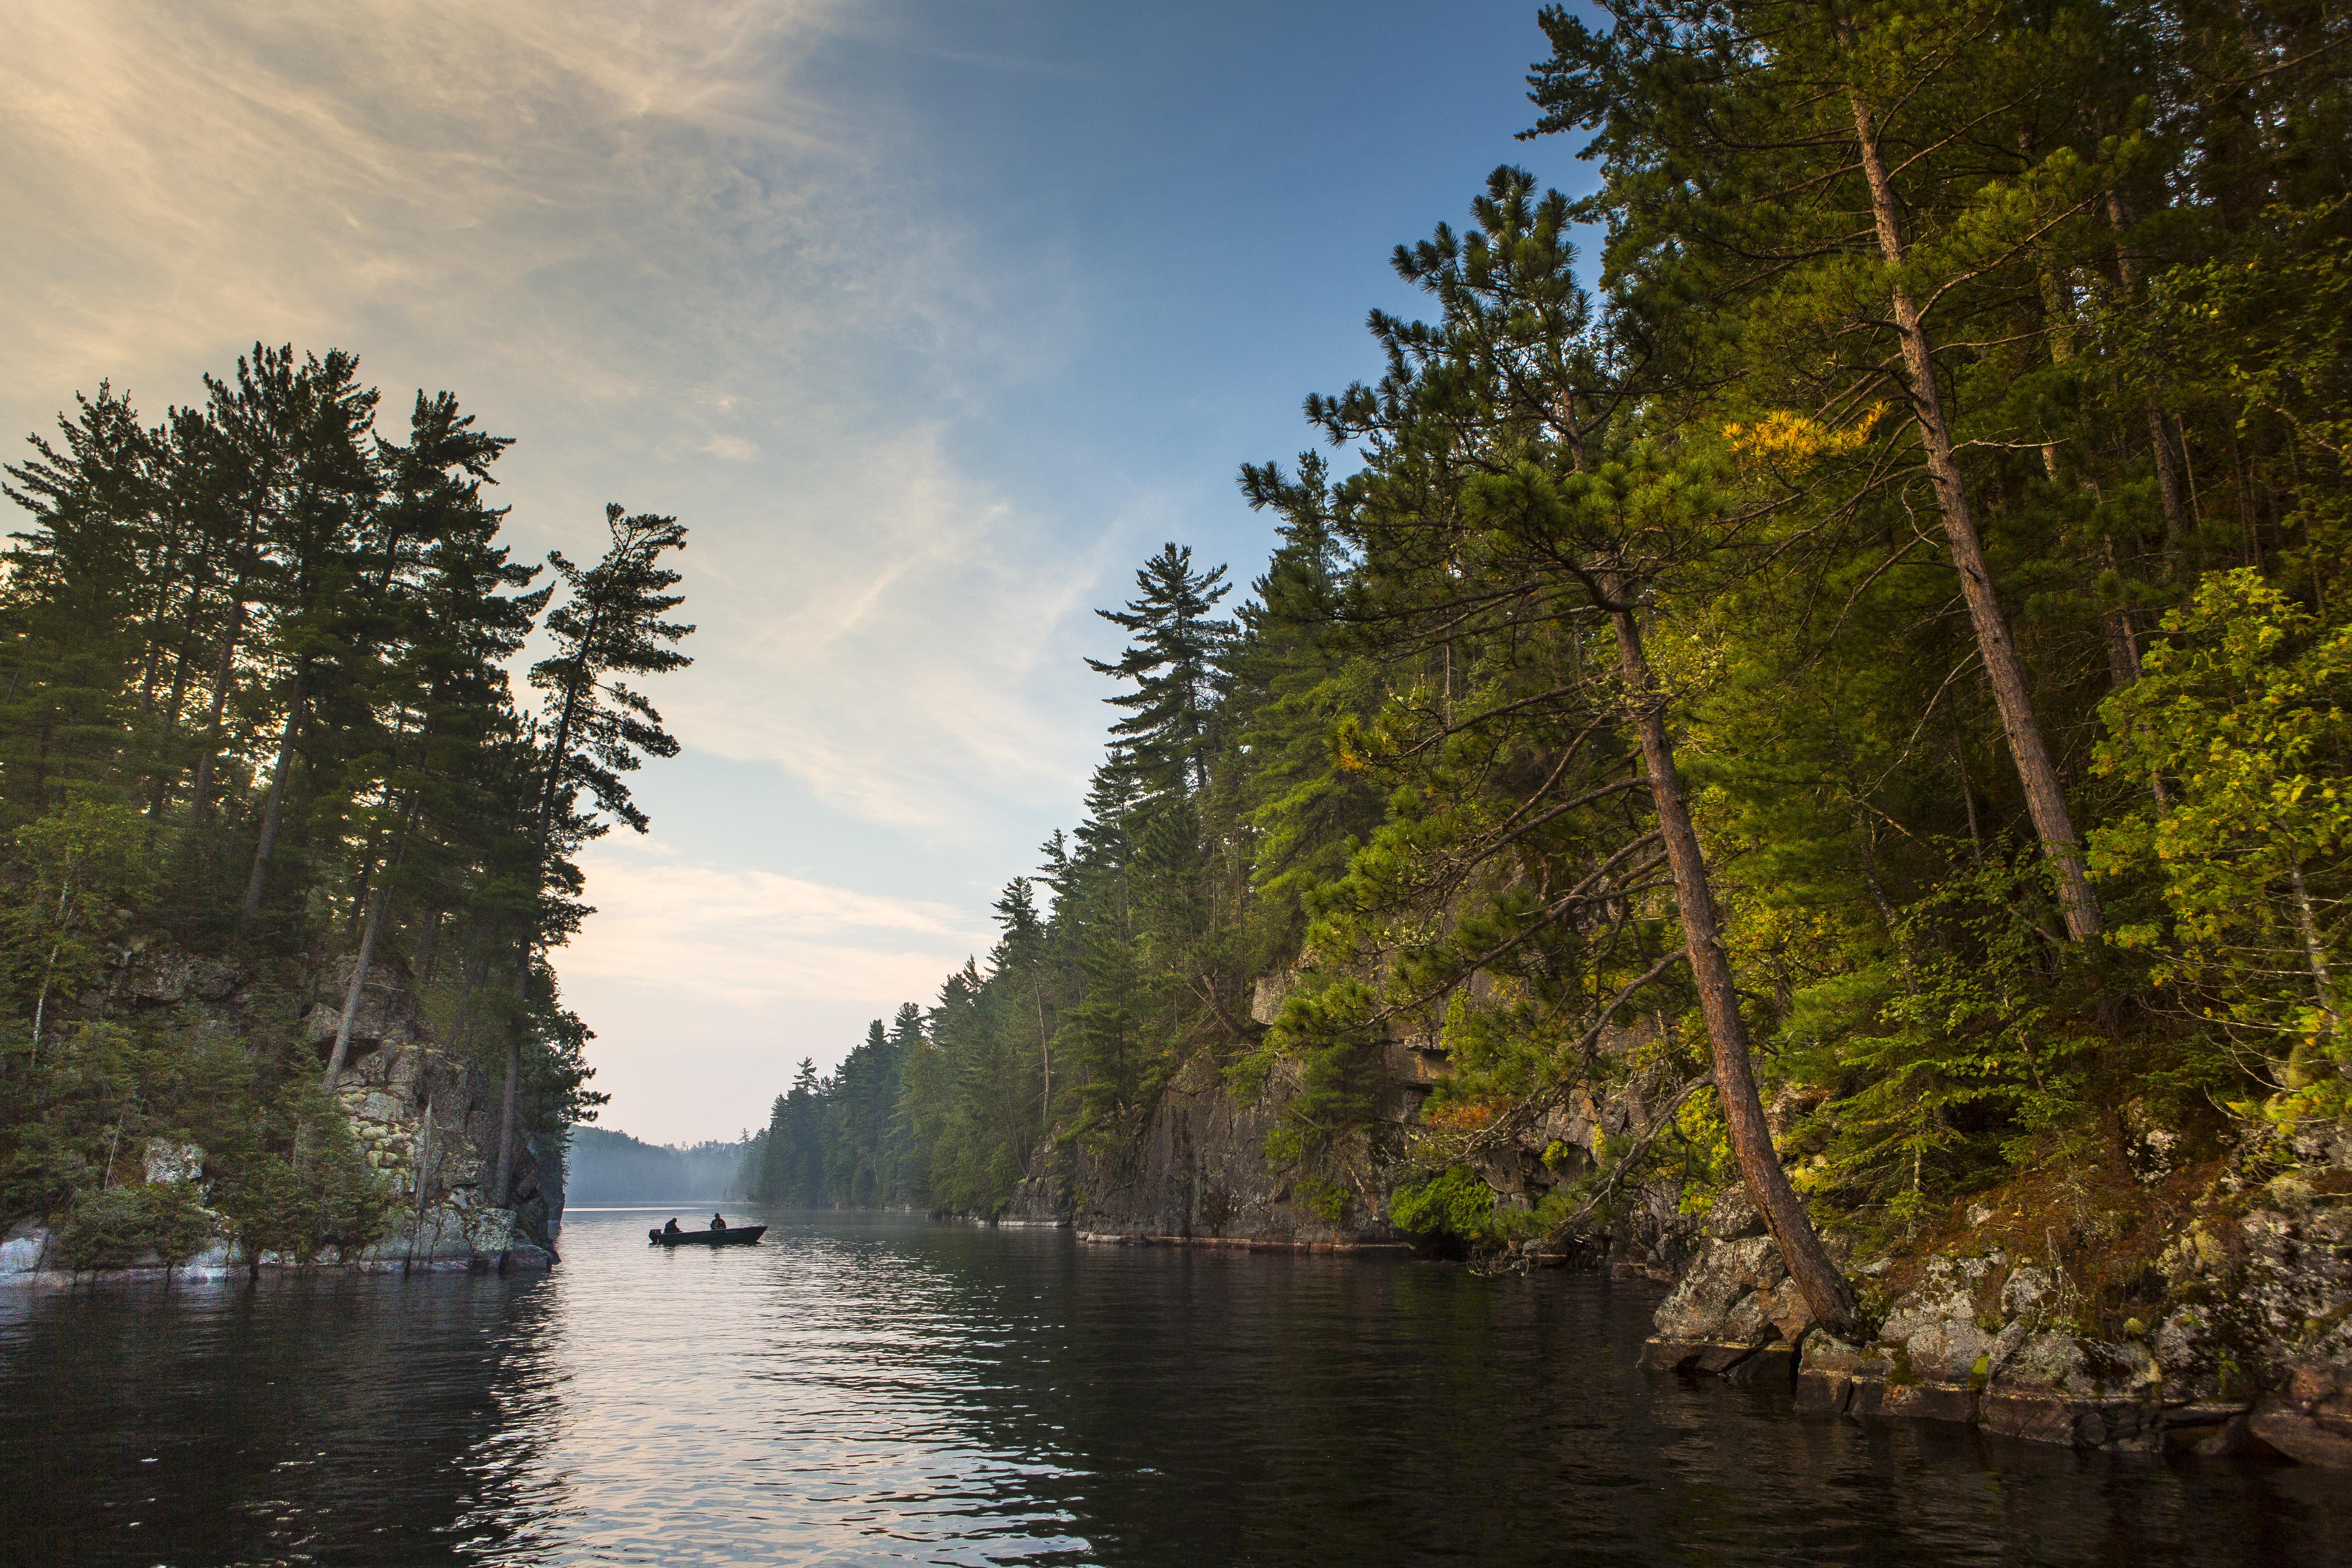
(718, 1221)
(671, 1228)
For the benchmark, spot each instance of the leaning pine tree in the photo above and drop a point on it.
(1521, 486)
(596, 728)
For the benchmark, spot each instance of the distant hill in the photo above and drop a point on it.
(608, 1167)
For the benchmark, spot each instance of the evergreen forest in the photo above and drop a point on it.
(257, 736)
(1868, 639)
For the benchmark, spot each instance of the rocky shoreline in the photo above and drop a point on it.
(2252, 1352)
(2246, 1263)
(449, 1234)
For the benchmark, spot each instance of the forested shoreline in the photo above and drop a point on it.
(267, 802)
(1872, 675)
(604, 1166)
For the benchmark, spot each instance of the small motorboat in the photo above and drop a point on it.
(733, 1235)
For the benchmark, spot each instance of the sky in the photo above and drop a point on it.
(929, 320)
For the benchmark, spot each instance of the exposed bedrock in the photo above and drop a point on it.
(1200, 1175)
(2253, 1351)
(2250, 1352)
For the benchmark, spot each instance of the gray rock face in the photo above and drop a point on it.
(393, 1070)
(1735, 1293)
(1200, 1175)
(1935, 1323)
(1049, 1195)
(2309, 1416)
(21, 1254)
(170, 1162)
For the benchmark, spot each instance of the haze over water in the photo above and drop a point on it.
(863, 1388)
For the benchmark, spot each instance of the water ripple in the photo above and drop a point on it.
(862, 1389)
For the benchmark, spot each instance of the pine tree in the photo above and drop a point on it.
(1174, 664)
(609, 625)
(1747, 150)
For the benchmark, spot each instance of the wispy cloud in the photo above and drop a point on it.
(645, 238)
(753, 939)
(193, 163)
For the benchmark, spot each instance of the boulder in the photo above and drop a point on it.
(1701, 1356)
(1929, 1401)
(2281, 1424)
(1735, 1292)
(2308, 1418)
(1935, 1321)
(1831, 1371)
(1774, 1367)
(2043, 1417)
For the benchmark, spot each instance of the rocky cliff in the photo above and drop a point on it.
(425, 1119)
(1199, 1173)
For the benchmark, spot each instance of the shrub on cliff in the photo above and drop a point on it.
(314, 1192)
(1454, 1203)
(119, 1227)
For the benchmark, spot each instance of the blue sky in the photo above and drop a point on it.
(930, 320)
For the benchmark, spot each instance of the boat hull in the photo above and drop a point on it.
(733, 1235)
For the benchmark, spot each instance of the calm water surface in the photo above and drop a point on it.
(873, 1389)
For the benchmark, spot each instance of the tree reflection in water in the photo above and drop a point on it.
(332, 1418)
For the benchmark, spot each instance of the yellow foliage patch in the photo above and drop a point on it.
(1466, 1118)
(1782, 440)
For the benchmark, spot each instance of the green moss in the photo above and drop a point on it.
(1325, 1201)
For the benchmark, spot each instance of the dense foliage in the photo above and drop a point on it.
(1941, 502)
(255, 723)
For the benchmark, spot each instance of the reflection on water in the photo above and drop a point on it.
(861, 1388)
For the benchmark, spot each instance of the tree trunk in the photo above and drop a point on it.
(428, 946)
(41, 1006)
(2315, 952)
(274, 809)
(1818, 1279)
(167, 772)
(358, 986)
(2179, 533)
(2044, 796)
(1045, 1054)
(223, 679)
(503, 1187)
(424, 1169)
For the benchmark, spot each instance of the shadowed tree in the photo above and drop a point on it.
(595, 727)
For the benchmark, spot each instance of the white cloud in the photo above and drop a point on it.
(733, 449)
(896, 642)
(192, 166)
(751, 939)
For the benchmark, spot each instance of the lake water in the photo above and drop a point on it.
(882, 1389)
